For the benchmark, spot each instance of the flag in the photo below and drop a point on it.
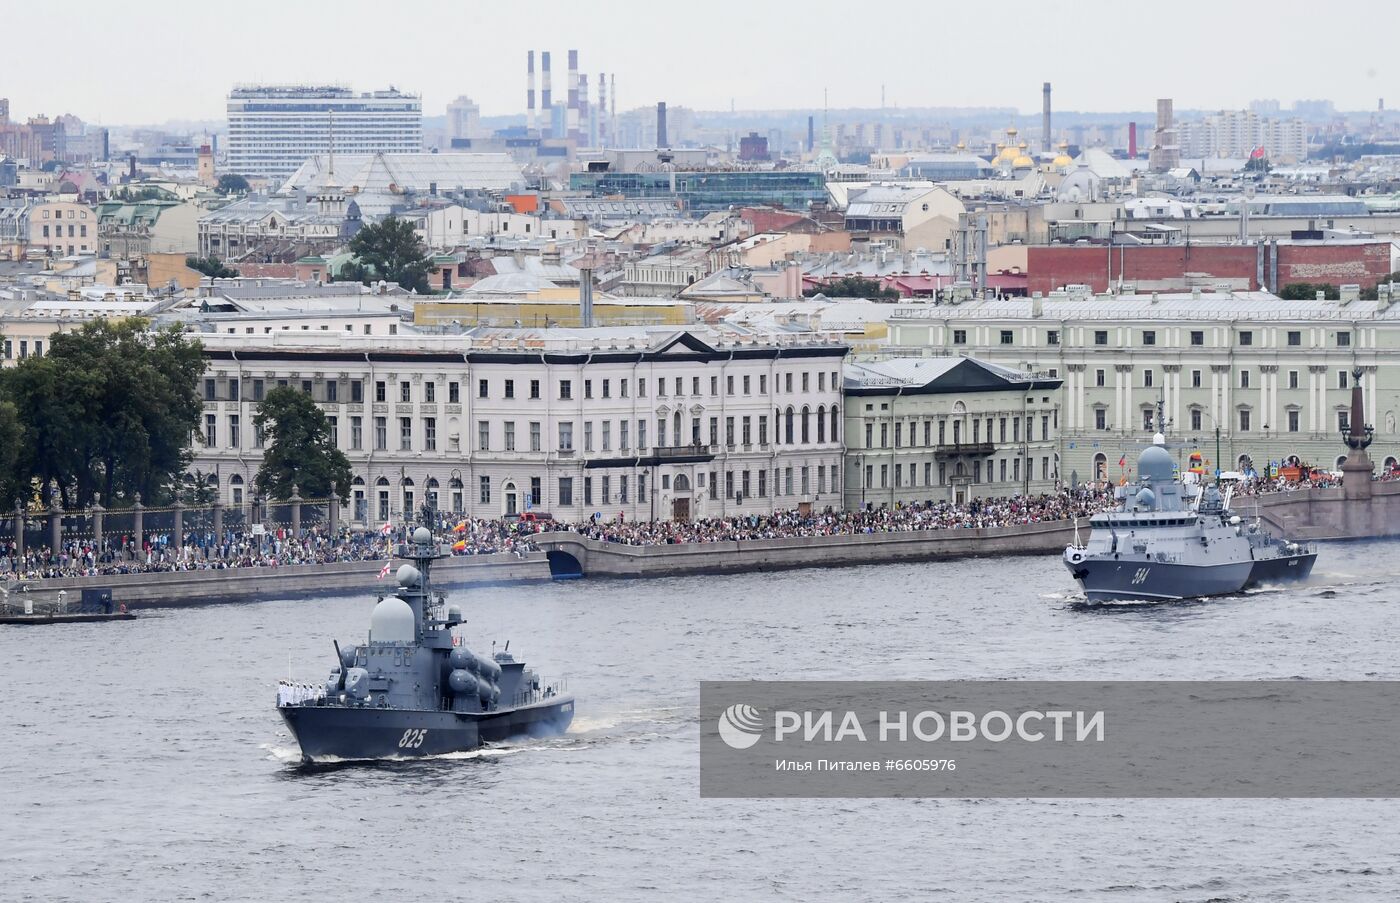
(460, 528)
(1123, 461)
(459, 546)
(384, 571)
(387, 528)
(1257, 153)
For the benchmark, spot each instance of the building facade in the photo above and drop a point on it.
(948, 429)
(617, 423)
(273, 129)
(51, 228)
(1273, 377)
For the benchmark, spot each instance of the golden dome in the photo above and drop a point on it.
(1062, 159)
(1022, 162)
(1011, 131)
(961, 146)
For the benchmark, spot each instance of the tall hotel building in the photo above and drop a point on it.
(273, 129)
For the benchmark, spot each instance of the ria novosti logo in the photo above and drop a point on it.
(740, 726)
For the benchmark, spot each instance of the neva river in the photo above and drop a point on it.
(145, 761)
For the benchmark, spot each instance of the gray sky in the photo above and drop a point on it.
(149, 61)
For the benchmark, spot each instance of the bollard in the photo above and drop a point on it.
(333, 513)
(138, 517)
(295, 500)
(56, 526)
(179, 525)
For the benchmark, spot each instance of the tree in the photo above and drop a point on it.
(210, 266)
(300, 451)
(389, 250)
(853, 287)
(232, 183)
(1307, 291)
(109, 411)
(11, 441)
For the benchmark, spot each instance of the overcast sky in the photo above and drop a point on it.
(149, 61)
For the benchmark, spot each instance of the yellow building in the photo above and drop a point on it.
(518, 299)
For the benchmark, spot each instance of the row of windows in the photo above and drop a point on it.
(58, 231)
(1148, 380)
(23, 346)
(677, 386)
(1149, 337)
(998, 470)
(958, 432)
(1197, 419)
(330, 390)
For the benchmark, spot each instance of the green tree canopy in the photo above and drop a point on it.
(210, 266)
(11, 441)
(1306, 291)
(108, 412)
(389, 250)
(232, 183)
(853, 287)
(300, 451)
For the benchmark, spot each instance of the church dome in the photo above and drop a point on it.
(1022, 162)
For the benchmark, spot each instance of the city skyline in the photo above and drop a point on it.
(926, 62)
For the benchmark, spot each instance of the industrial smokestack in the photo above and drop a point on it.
(602, 110)
(661, 125)
(811, 133)
(585, 296)
(546, 96)
(1132, 141)
(530, 90)
(571, 114)
(585, 120)
(1045, 120)
(612, 108)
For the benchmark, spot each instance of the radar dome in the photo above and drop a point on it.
(408, 575)
(422, 536)
(1145, 498)
(1155, 464)
(391, 622)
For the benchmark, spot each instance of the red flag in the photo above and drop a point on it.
(384, 571)
(1257, 154)
(1122, 461)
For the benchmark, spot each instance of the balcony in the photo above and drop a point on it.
(965, 449)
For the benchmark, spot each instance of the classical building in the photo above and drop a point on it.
(637, 423)
(51, 228)
(272, 129)
(1272, 376)
(948, 429)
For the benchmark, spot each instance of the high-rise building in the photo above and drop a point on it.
(464, 119)
(273, 129)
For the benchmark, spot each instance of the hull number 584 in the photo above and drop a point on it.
(412, 739)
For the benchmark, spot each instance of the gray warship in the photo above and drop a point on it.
(1168, 540)
(414, 689)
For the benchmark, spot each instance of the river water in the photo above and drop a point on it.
(145, 761)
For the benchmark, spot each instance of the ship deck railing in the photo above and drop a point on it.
(295, 693)
(545, 693)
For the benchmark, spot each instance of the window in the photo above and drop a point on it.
(1006, 337)
(1246, 337)
(405, 391)
(763, 384)
(806, 381)
(1244, 379)
(211, 429)
(714, 385)
(1099, 378)
(680, 386)
(1341, 379)
(729, 431)
(1293, 421)
(510, 435)
(381, 433)
(588, 388)
(1343, 421)
(233, 386)
(1292, 379)
(483, 388)
(379, 390)
(1147, 379)
(405, 434)
(694, 390)
(1195, 379)
(1244, 421)
(333, 391)
(1147, 419)
(357, 429)
(588, 490)
(746, 384)
(429, 392)
(534, 435)
(1149, 337)
(485, 493)
(566, 492)
(1052, 337)
(257, 390)
(1295, 337)
(747, 433)
(607, 388)
(1195, 418)
(430, 434)
(588, 435)
(454, 392)
(729, 385)
(535, 491)
(787, 382)
(1343, 340)
(483, 435)
(306, 386)
(959, 336)
(566, 389)
(566, 435)
(1198, 337)
(1100, 418)
(209, 391)
(534, 388)
(661, 387)
(1101, 337)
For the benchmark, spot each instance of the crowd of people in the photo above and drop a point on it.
(988, 512)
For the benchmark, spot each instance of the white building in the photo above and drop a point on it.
(1236, 133)
(274, 128)
(637, 423)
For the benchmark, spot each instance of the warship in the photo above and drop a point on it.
(415, 689)
(1170, 539)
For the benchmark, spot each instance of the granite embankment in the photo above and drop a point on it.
(168, 589)
(572, 555)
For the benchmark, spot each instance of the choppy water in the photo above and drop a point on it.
(145, 761)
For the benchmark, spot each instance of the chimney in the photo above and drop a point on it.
(546, 96)
(661, 126)
(612, 100)
(571, 114)
(811, 133)
(1045, 119)
(530, 90)
(585, 122)
(131, 167)
(602, 110)
(1132, 141)
(585, 296)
